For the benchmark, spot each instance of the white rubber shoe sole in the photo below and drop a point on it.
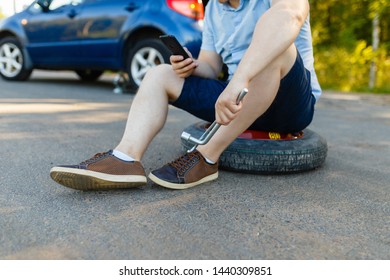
(170, 185)
(81, 179)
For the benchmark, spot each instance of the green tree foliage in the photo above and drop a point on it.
(343, 43)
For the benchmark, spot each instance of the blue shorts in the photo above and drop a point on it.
(291, 111)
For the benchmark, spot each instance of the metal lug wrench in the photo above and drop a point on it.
(211, 130)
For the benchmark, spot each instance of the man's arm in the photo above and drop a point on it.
(208, 65)
(274, 33)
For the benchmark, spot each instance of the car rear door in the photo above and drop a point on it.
(53, 33)
(102, 24)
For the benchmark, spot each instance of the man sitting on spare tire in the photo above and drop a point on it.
(267, 48)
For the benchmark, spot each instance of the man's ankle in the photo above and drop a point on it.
(207, 159)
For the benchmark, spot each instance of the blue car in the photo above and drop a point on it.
(91, 36)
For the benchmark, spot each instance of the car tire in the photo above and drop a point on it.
(144, 55)
(13, 60)
(89, 75)
(259, 156)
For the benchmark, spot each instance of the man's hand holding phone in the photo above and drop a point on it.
(181, 59)
(183, 67)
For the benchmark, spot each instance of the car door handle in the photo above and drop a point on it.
(131, 7)
(72, 13)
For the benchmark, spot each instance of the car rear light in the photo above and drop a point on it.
(190, 8)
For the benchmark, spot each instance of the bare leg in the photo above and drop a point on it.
(149, 110)
(262, 91)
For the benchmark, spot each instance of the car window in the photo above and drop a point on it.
(56, 4)
(35, 9)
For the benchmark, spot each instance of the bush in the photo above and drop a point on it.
(340, 69)
(383, 71)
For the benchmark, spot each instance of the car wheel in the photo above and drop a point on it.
(267, 156)
(144, 55)
(12, 60)
(89, 75)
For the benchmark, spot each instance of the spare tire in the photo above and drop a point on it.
(304, 151)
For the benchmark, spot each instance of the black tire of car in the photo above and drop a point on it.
(24, 73)
(269, 156)
(89, 75)
(157, 45)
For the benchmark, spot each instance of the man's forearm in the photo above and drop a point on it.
(275, 32)
(204, 70)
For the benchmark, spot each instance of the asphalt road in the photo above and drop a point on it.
(340, 211)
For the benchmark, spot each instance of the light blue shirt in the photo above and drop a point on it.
(228, 32)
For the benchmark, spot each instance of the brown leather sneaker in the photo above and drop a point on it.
(185, 172)
(104, 171)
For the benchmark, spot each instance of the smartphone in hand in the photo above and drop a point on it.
(173, 45)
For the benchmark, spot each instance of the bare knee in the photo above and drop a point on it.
(164, 78)
(156, 74)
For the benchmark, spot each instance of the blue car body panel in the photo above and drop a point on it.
(96, 33)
